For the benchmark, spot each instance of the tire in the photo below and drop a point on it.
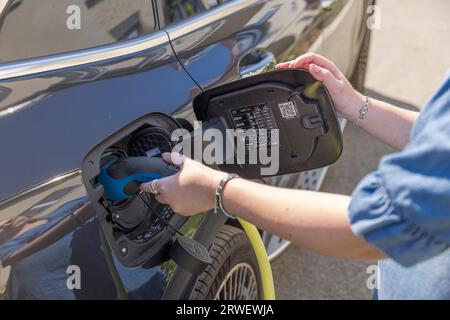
(234, 273)
(358, 77)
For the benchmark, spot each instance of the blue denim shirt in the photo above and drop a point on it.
(403, 207)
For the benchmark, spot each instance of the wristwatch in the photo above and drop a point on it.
(219, 195)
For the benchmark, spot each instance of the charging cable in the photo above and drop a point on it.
(261, 256)
(257, 244)
(167, 223)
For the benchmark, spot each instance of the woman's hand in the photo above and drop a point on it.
(346, 99)
(191, 190)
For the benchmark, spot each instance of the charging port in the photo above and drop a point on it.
(136, 228)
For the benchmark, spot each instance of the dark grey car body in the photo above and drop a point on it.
(55, 105)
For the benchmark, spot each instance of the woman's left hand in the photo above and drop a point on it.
(188, 192)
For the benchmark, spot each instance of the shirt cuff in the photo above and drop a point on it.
(374, 216)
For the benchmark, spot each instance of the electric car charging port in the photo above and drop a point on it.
(128, 214)
(136, 227)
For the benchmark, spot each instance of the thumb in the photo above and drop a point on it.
(154, 185)
(324, 76)
(173, 158)
(283, 65)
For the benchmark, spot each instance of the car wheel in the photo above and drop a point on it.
(234, 273)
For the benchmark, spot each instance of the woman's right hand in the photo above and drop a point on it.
(346, 99)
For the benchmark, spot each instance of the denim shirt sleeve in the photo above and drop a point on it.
(403, 208)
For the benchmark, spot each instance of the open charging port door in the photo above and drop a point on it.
(285, 118)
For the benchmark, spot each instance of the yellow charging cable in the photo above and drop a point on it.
(255, 240)
(262, 258)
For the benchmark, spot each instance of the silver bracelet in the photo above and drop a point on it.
(219, 195)
(365, 108)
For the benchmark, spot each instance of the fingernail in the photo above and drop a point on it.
(315, 68)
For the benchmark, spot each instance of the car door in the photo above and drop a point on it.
(231, 40)
(71, 73)
(344, 26)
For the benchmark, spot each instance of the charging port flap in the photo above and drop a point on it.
(286, 116)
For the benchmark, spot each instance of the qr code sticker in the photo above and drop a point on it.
(288, 110)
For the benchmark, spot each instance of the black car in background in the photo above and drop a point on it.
(72, 72)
